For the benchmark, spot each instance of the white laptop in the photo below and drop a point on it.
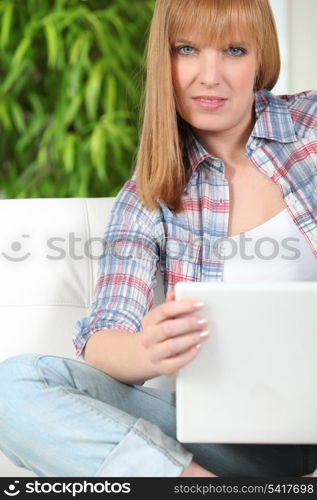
(255, 378)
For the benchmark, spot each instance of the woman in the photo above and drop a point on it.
(212, 133)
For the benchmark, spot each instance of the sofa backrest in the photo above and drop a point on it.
(49, 251)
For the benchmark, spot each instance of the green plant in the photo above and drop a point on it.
(71, 74)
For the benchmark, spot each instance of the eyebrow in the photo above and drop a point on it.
(184, 41)
(190, 42)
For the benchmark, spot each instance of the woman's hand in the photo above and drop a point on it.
(172, 341)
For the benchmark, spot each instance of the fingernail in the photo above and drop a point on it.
(198, 346)
(199, 304)
(205, 333)
(202, 321)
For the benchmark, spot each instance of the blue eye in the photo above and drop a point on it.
(185, 50)
(237, 51)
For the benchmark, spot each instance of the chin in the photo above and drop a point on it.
(208, 127)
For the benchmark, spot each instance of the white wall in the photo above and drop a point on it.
(297, 30)
(302, 44)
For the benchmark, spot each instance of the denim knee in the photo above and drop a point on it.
(14, 372)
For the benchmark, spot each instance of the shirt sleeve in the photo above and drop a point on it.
(126, 270)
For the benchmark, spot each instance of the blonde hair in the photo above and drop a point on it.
(162, 163)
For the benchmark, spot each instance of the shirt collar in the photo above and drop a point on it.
(273, 122)
(273, 118)
(196, 152)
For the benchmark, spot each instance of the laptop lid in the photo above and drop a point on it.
(255, 378)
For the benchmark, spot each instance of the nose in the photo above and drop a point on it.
(210, 68)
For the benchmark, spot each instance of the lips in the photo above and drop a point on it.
(210, 103)
(209, 98)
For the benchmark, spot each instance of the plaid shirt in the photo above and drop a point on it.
(188, 246)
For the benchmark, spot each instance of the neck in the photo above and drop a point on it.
(228, 145)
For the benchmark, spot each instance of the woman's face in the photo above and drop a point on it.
(214, 87)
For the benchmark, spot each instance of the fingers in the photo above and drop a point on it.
(172, 333)
(177, 345)
(169, 310)
(173, 328)
(170, 366)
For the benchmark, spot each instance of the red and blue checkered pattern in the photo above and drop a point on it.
(283, 145)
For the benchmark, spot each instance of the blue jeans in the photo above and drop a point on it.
(61, 417)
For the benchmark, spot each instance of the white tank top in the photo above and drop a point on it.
(273, 251)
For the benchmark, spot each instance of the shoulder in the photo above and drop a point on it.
(128, 205)
(303, 109)
(303, 100)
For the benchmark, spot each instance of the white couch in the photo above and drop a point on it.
(49, 252)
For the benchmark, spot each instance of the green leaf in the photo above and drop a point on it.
(98, 151)
(92, 91)
(78, 47)
(42, 157)
(52, 44)
(20, 52)
(13, 75)
(111, 96)
(5, 116)
(69, 153)
(73, 109)
(6, 24)
(98, 29)
(18, 116)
